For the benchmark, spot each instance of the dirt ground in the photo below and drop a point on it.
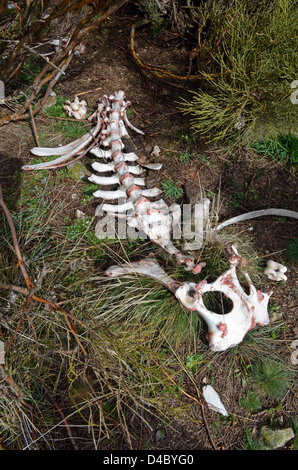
(245, 183)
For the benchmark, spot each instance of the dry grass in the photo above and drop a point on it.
(90, 372)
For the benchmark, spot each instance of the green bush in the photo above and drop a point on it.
(256, 64)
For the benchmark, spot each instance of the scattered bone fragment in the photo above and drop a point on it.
(80, 50)
(275, 271)
(146, 267)
(156, 151)
(213, 400)
(77, 108)
(61, 43)
(259, 213)
(80, 214)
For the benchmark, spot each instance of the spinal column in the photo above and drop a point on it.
(154, 218)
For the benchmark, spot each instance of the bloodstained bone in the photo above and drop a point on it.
(224, 330)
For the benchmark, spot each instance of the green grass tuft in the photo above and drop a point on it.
(292, 249)
(283, 149)
(253, 443)
(251, 402)
(171, 189)
(270, 378)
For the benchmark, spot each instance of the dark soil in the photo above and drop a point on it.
(246, 182)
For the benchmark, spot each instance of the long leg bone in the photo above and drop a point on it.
(259, 213)
(146, 267)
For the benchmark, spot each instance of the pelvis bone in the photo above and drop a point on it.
(224, 330)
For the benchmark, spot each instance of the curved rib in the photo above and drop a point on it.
(84, 141)
(259, 213)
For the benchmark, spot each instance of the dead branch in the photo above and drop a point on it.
(31, 287)
(197, 400)
(61, 61)
(49, 303)
(21, 263)
(58, 408)
(157, 72)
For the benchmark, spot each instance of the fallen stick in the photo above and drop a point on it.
(21, 263)
(34, 126)
(50, 304)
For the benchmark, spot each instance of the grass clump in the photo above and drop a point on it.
(172, 189)
(90, 361)
(270, 378)
(251, 402)
(283, 149)
(255, 63)
(253, 443)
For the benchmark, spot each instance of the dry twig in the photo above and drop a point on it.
(60, 62)
(31, 287)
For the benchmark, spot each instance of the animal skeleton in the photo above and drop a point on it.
(106, 142)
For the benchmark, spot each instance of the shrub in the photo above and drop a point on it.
(255, 59)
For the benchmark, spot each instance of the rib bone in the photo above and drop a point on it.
(83, 142)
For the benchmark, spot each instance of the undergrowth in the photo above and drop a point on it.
(283, 149)
(115, 352)
(102, 371)
(69, 128)
(254, 58)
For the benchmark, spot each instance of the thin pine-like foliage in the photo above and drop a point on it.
(256, 58)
